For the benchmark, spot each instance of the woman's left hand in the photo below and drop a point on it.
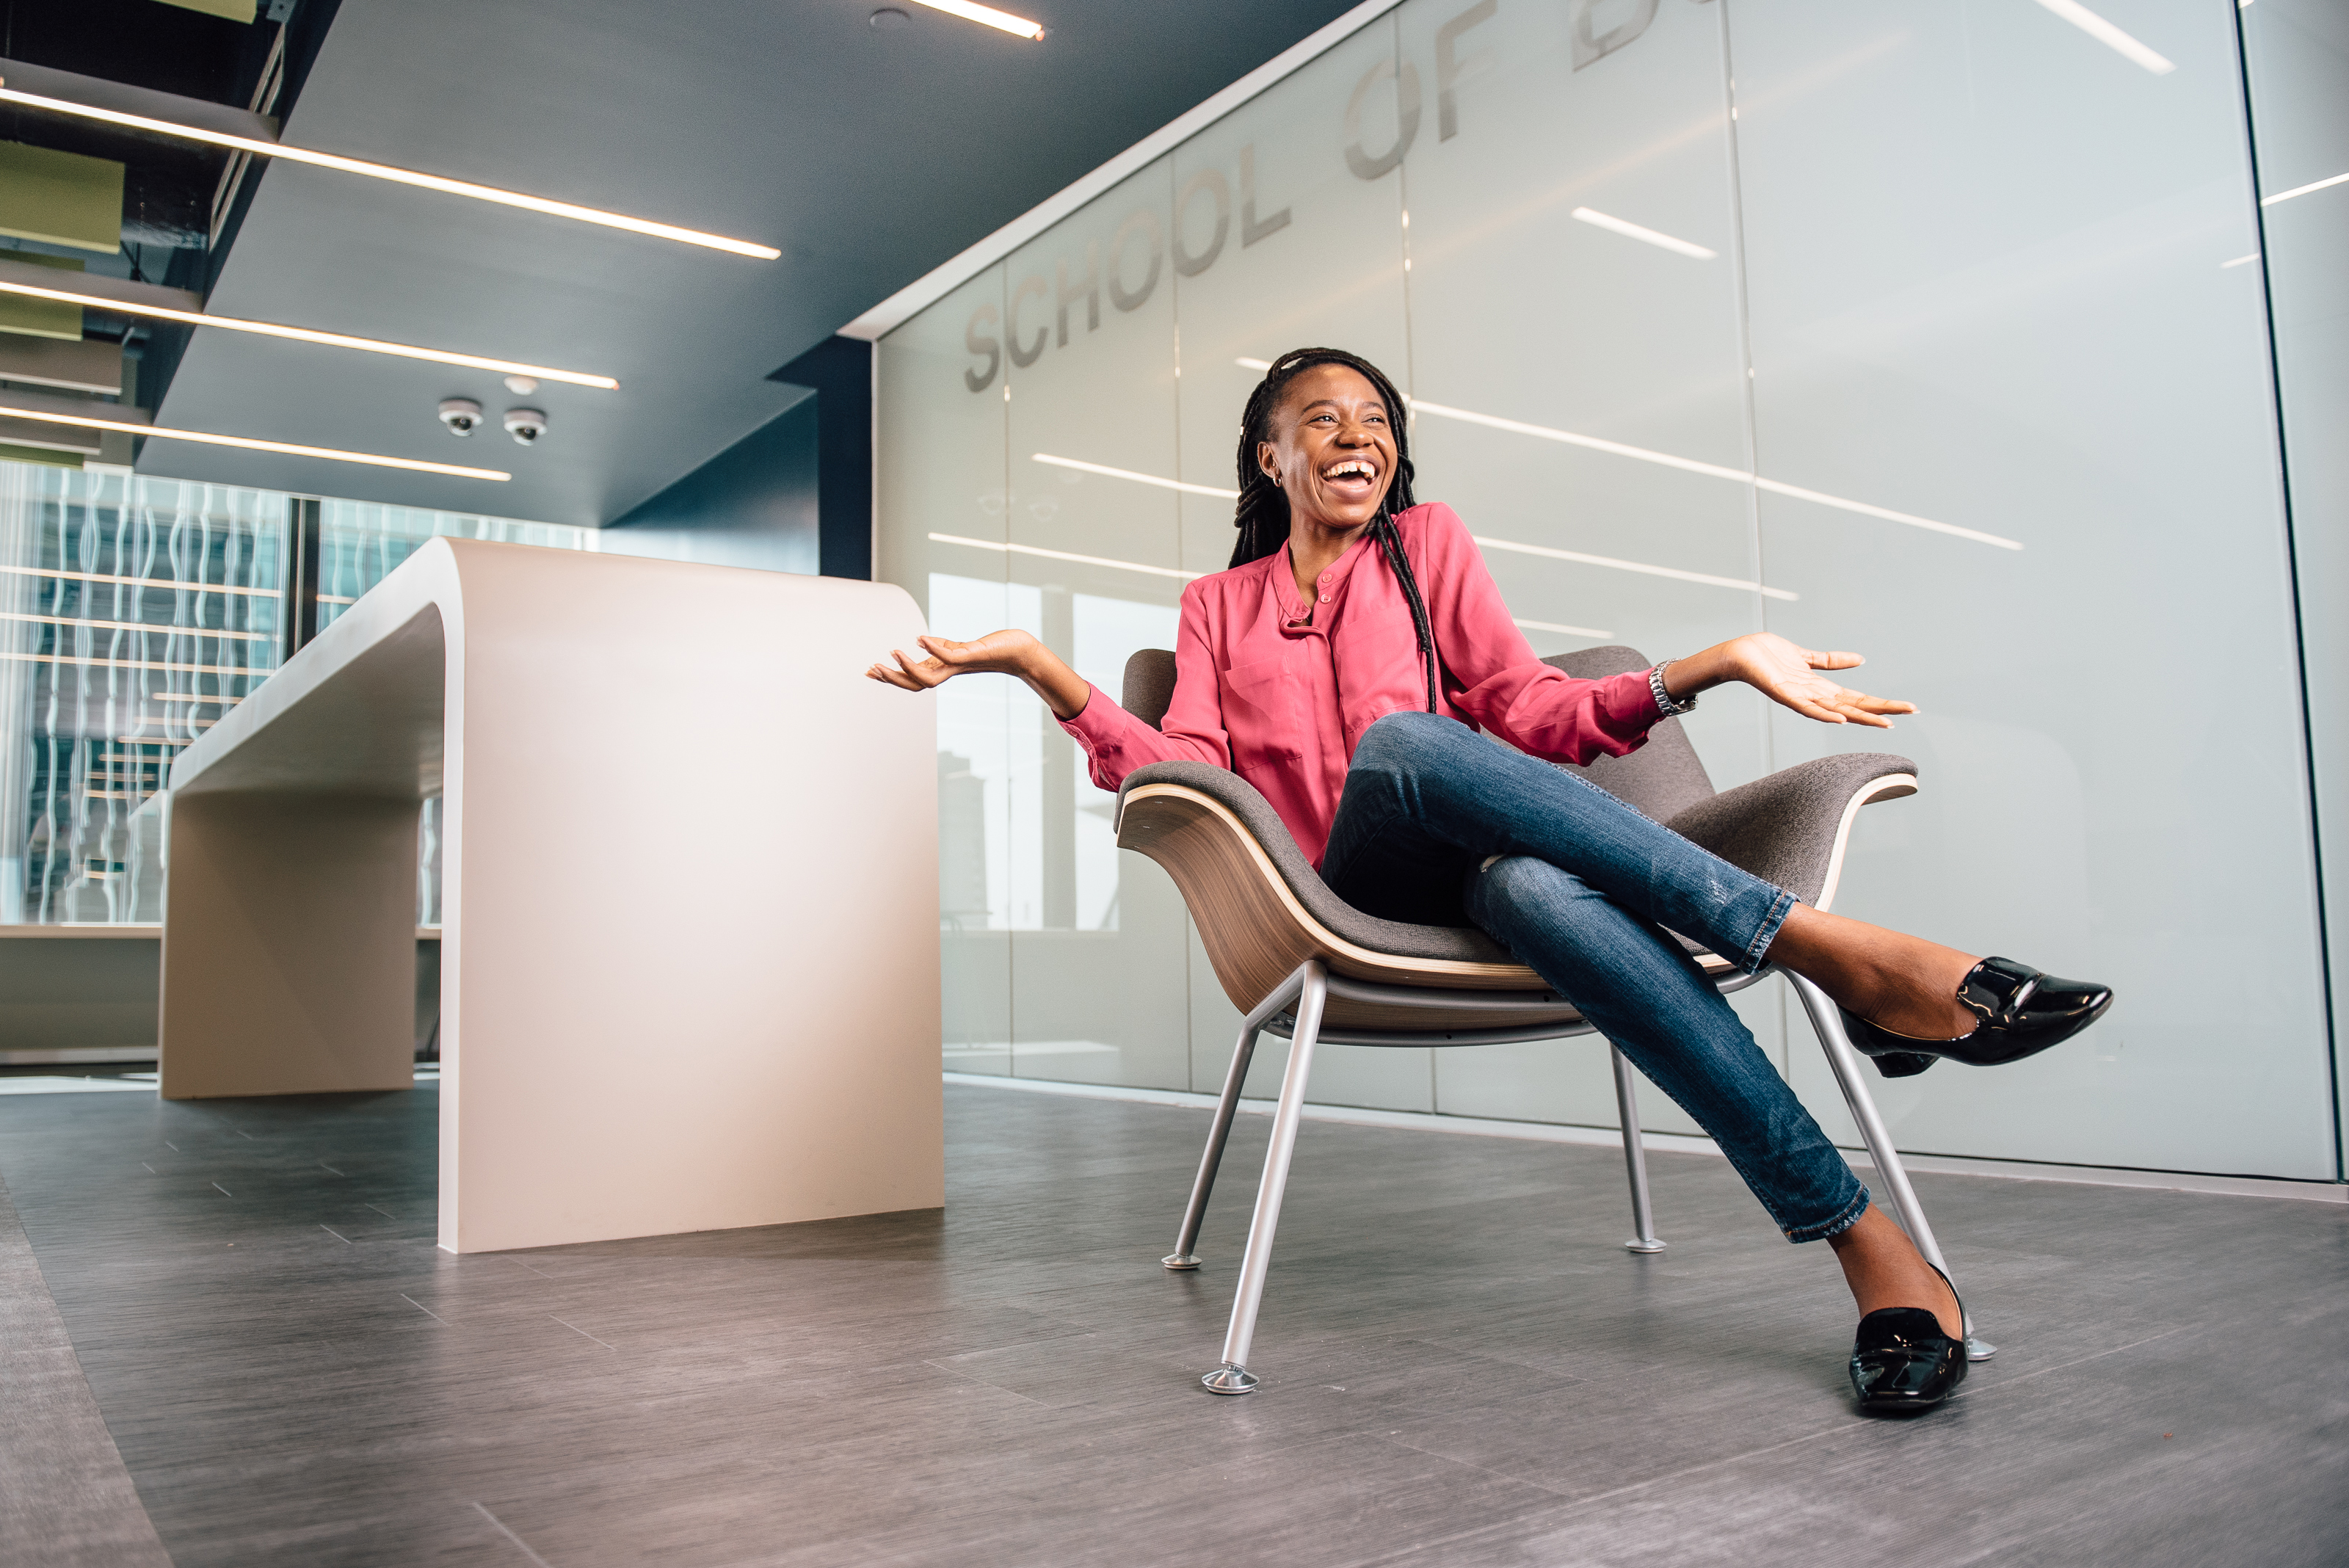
(1788, 674)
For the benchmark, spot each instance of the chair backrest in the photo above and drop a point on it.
(1149, 685)
(1663, 778)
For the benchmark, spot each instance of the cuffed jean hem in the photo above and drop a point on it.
(1835, 1227)
(1780, 908)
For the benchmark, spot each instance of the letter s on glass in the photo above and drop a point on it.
(983, 317)
(1364, 166)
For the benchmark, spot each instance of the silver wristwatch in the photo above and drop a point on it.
(1664, 703)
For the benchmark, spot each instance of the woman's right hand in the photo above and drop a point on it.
(1008, 652)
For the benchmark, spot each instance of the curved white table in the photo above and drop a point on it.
(689, 971)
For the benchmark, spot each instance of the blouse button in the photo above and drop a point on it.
(1325, 599)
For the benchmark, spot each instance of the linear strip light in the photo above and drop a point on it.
(1568, 631)
(1599, 220)
(1063, 555)
(406, 176)
(139, 626)
(335, 599)
(305, 335)
(1138, 478)
(197, 697)
(2302, 190)
(1640, 566)
(1688, 465)
(248, 443)
(2238, 261)
(139, 582)
(249, 671)
(989, 16)
(2112, 37)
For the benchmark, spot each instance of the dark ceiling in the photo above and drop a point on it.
(868, 156)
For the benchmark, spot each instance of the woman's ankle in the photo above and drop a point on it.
(1883, 1269)
(1900, 982)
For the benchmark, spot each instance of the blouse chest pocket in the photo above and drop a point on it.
(1268, 696)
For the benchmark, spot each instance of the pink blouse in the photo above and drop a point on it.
(1282, 703)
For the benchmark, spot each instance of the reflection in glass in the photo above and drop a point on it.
(134, 614)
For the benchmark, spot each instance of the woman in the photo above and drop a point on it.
(1337, 666)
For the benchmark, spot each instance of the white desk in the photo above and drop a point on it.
(689, 950)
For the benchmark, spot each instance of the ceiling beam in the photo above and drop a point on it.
(81, 408)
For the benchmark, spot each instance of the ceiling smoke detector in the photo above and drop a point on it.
(522, 386)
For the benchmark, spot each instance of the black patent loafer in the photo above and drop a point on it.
(1901, 1361)
(2023, 1012)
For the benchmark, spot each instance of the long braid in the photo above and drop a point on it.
(1261, 514)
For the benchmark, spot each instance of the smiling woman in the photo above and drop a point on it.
(1339, 666)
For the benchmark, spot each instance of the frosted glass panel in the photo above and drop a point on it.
(939, 470)
(1926, 329)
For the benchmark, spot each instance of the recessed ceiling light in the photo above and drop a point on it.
(248, 443)
(988, 15)
(305, 335)
(887, 20)
(411, 177)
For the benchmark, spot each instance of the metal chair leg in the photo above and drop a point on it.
(1233, 1377)
(1195, 1213)
(1826, 1020)
(1635, 1159)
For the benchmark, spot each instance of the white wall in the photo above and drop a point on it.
(1962, 292)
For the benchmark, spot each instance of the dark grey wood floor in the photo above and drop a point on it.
(1461, 1364)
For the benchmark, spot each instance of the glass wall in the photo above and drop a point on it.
(1897, 326)
(134, 614)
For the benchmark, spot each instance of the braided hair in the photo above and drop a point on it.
(1262, 514)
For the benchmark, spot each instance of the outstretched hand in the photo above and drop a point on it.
(1000, 652)
(1008, 652)
(1789, 675)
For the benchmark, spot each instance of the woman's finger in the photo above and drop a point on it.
(1834, 661)
(1852, 705)
(916, 671)
(1808, 708)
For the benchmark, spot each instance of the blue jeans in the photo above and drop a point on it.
(1440, 826)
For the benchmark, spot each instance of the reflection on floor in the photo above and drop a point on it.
(54, 1084)
(1461, 1364)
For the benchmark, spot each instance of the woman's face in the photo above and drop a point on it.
(1333, 449)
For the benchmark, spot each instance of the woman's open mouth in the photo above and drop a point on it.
(1355, 478)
